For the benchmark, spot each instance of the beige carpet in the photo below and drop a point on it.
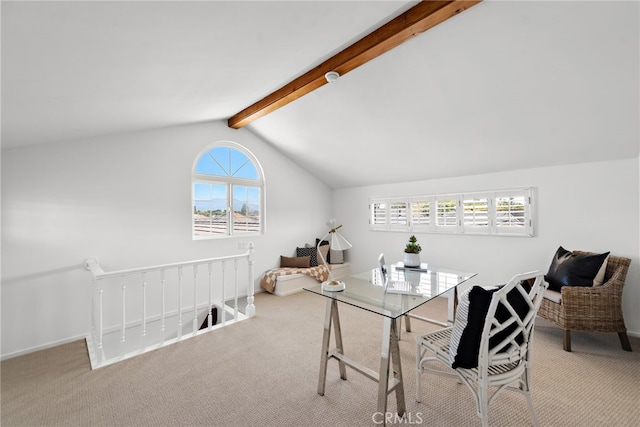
(264, 372)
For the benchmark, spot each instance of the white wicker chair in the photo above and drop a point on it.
(506, 365)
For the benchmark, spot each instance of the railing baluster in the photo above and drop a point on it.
(251, 308)
(179, 302)
(222, 304)
(195, 299)
(210, 305)
(235, 285)
(144, 304)
(100, 327)
(162, 315)
(124, 304)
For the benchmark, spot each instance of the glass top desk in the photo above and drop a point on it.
(405, 290)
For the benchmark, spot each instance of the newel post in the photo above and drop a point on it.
(251, 308)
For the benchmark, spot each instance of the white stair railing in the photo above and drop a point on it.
(141, 309)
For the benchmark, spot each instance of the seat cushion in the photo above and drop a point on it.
(569, 269)
(553, 296)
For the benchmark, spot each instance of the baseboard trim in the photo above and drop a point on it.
(43, 346)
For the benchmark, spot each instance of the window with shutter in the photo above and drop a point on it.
(398, 210)
(475, 213)
(421, 213)
(513, 213)
(504, 212)
(378, 213)
(446, 212)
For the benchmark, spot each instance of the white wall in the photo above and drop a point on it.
(65, 202)
(592, 206)
(125, 200)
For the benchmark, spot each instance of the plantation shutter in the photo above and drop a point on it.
(475, 216)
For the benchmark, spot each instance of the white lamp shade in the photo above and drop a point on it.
(339, 243)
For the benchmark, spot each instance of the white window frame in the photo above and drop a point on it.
(229, 182)
(527, 219)
(416, 222)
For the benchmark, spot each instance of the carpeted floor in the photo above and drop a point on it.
(264, 372)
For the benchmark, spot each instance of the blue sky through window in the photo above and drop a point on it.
(225, 161)
(227, 193)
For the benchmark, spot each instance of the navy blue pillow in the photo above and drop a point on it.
(466, 351)
(312, 253)
(569, 269)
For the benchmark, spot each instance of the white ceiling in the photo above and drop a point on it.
(502, 86)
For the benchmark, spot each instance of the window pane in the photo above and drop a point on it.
(446, 215)
(220, 156)
(398, 213)
(378, 213)
(209, 208)
(510, 212)
(246, 209)
(241, 166)
(420, 213)
(207, 164)
(224, 161)
(476, 212)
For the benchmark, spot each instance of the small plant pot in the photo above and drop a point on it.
(411, 260)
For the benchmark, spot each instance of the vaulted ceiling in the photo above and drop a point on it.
(500, 86)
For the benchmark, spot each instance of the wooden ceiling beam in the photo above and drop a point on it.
(418, 19)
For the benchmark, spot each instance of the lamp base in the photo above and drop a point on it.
(333, 286)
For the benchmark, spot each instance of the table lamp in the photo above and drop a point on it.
(337, 243)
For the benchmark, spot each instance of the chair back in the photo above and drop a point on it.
(508, 327)
(383, 268)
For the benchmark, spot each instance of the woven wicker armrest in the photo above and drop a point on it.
(581, 299)
(612, 287)
(593, 308)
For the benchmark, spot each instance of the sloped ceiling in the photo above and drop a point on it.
(502, 86)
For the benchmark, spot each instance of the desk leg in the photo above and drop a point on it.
(407, 318)
(452, 307)
(390, 353)
(331, 313)
(338, 333)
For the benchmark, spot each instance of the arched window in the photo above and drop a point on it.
(228, 192)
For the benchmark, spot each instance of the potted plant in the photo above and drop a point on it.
(412, 253)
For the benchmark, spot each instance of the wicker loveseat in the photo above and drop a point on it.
(596, 308)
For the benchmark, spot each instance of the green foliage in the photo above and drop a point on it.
(216, 214)
(413, 247)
